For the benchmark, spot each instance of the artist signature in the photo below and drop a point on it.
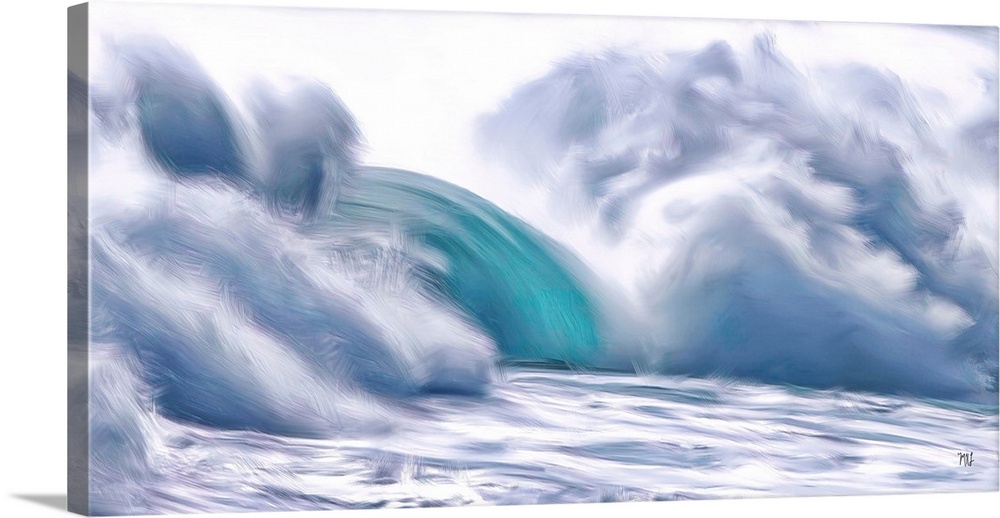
(965, 459)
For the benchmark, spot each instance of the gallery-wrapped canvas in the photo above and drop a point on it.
(327, 259)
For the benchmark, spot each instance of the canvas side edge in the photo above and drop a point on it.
(78, 265)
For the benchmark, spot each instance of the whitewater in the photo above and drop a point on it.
(696, 273)
(550, 436)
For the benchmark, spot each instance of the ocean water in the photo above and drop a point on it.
(704, 272)
(547, 435)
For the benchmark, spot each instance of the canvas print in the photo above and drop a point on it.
(326, 259)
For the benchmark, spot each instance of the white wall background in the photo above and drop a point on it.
(32, 275)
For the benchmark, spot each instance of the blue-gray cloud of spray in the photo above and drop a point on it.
(226, 314)
(734, 297)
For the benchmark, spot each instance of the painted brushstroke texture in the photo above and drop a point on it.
(807, 244)
(822, 230)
